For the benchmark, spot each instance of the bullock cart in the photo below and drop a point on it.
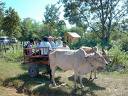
(34, 58)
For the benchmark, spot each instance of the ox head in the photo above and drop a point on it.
(81, 53)
(97, 60)
(89, 50)
(106, 56)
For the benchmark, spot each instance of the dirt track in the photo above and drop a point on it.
(105, 85)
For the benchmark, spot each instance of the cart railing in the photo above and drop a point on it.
(36, 55)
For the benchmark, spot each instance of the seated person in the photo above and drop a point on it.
(65, 46)
(29, 45)
(51, 41)
(45, 46)
(59, 42)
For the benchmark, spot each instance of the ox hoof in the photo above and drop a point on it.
(90, 78)
(63, 84)
(95, 78)
(82, 86)
(53, 86)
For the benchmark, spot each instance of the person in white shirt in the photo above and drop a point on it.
(64, 47)
(45, 46)
(59, 42)
(51, 41)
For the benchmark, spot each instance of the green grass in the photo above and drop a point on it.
(9, 69)
(9, 92)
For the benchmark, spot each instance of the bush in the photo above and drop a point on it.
(13, 55)
(83, 42)
(118, 56)
(124, 44)
(119, 59)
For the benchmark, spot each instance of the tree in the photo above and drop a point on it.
(124, 25)
(99, 15)
(51, 16)
(78, 30)
(10, 22)
(61, 28)
(30, 29)
(1, 13)
(26, 29)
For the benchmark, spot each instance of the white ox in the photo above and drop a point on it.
(77, 60)
(90, 50)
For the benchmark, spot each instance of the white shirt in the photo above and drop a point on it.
(45, 44)
(53, 45)
(65, 48)
(59, 43)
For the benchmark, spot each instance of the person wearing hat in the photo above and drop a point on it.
(59, 42)
(51, 41)
(46, 45)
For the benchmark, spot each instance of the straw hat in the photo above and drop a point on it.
(60, 38)
(50, 37)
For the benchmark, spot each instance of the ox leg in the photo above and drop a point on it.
(53, 76)
(95, 77)
(90, 76)
(75, 79)
(81, 83)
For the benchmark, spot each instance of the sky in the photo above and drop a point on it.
(29, 8)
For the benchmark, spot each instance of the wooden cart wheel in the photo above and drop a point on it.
(33, 70)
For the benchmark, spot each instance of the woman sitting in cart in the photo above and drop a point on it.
(30, 45)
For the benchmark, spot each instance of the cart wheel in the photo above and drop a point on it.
(33, 70)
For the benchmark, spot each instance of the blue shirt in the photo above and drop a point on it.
(44, 44)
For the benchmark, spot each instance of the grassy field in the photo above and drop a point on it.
(9, 70)
(9, 92)
(14, 78)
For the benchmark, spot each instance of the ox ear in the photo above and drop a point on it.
(82, 52)
(95, 49)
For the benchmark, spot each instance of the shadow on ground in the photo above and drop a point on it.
(42, 86)
(89, 87)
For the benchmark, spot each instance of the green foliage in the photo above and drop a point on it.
(124, 44)
(51, 16)
(124, 24)
(97, 15)
(116, 35)
(71, 11)
(30, 29)
(78, 30)
(61, 28)
(13, 55)
(10, 22)
(118, 56)
(83, 42)
(121, 38)
(1, 13)
(119, 59)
